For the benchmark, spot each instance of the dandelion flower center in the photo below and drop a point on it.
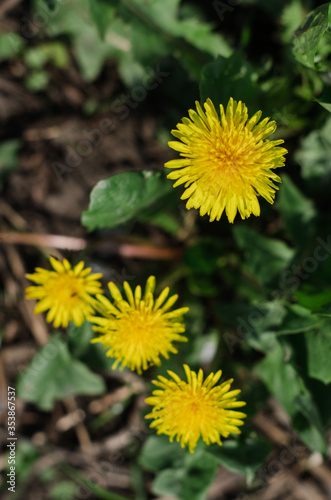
(139, 330)
(196, 408)
(227, 163)
(65, 291)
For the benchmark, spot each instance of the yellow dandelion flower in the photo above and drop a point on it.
(194, 409)
(227, 162)
(65, 291)
(139, 330)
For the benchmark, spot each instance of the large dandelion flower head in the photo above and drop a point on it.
(196, 408)
(138, 330)
(227, 163)
(66, 292)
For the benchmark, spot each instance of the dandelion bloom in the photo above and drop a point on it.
(227, 163)
(139, 330)
(195, 408)
(65, 291)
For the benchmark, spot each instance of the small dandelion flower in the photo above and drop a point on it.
(194, 409)
(227, 163)
(139, 330)
(65, 291)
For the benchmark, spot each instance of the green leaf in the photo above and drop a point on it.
(319, 351)
(203, 256)
(254, 324)
(74, 21)
(92, 355)
(307, 37)
(11, 45)
(298, 320)
(8, 157)
(313, 435)
(192, 481)
(243, 457)
(313, 298)
(229, 77)
(159, 453)
(280, 377)
(298, 212)
(162, 219)
(284, 382)
(293, 11)
(102, 13)
(54, 374)
(325, 99)
(266, 258)
(315, 152)
(120, 198)
(64, 490)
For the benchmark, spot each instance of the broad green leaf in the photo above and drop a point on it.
(92, 355)
(162, 219)
(314, 298)
(54, 374)
(307, 37)
(73, 20)
(315, 153)
(286, 385)
(11, 45)
(189, 482)
(243, 457)
(298, 212)
(298, 320)
(280, 377)
(201, 260)
(314, 434)
(292, 12)
(102, 13)
(229, 77)
(318, 343)
(120, 198)
(266, 258)
(254, 324)
(167, 18)
(159, 453)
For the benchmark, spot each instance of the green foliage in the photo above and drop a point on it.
(55, 374)
(245, 458)
(120, 198)
(307, 37)
(318, 341)
(191, 482)
(229, 77)
(137, 33)
(102, 14)
(256, 312)
(10, 45)
(298, 212)
(182, 475)
(314, 153)
(284, 382)
(266, 258)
